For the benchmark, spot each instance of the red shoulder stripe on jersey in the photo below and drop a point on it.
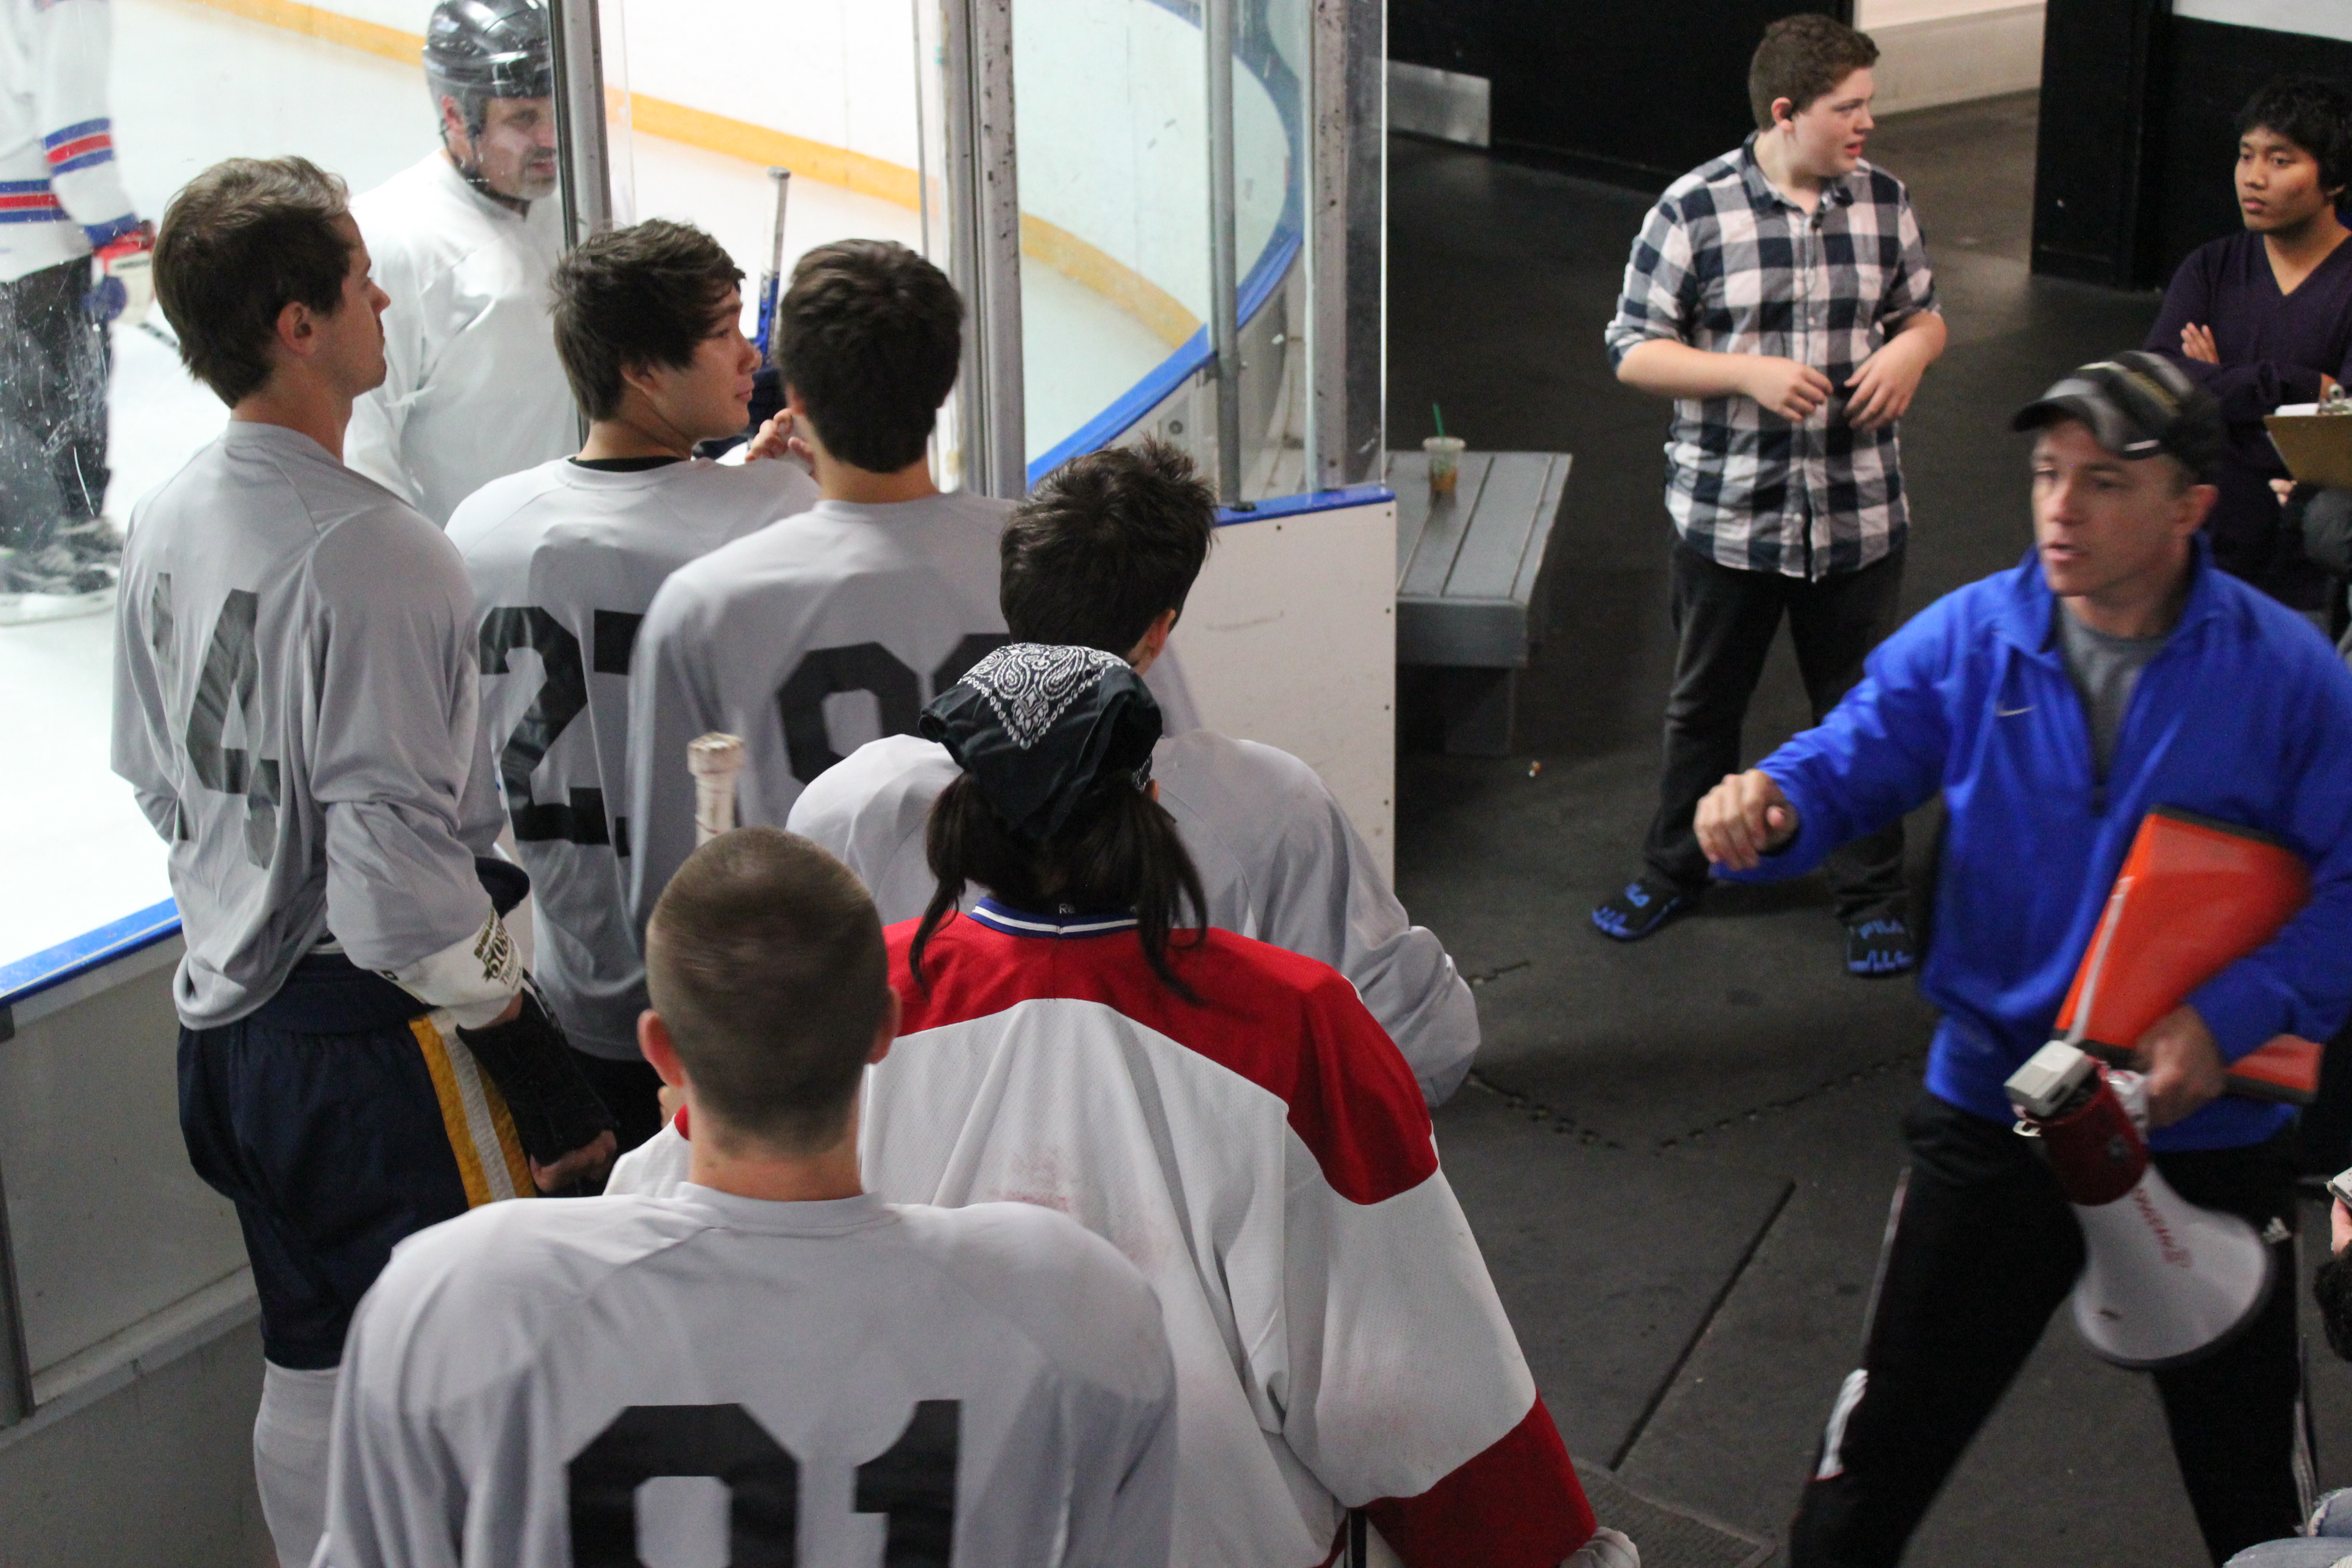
(1291, 1025)
(1517, 1505)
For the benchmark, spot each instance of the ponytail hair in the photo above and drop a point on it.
(1119, 850)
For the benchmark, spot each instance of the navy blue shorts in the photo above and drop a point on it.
(338, 1123)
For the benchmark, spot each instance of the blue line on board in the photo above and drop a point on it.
(91, 950)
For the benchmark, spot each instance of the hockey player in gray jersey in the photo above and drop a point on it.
(866, 1381)
(1103, 554)
(829, 629)
(296, 709)
(566, 557)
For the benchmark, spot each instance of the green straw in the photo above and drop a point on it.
(1439, 415)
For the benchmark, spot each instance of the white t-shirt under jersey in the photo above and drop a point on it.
(622, 1380)
(1278, 860)
(808, 639)
(565, 561)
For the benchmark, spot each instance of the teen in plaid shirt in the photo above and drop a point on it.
(1781, 296)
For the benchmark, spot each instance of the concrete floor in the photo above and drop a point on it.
(1678, 1155)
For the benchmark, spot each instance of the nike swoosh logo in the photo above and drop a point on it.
(2001, 712)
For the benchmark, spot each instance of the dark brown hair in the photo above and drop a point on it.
(1104, 546)
(1803, 58)
(240, 242)
(2314, 114)
(1119, 850)
(634, 297)
(870, 335)
(765, 960)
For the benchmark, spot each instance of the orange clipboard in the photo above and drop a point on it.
(2194, 897)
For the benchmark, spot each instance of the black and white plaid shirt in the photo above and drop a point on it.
(1727, 264)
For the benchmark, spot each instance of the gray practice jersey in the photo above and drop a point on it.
(808, 639)
(1278, 860)
(565, 561)
(295, 705)
(709, 1378)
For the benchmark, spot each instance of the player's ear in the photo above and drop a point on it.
(660, 1050)
(884, 1032)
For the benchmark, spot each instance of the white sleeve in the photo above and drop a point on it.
(1322, 895)
(142, 736)
(397, 744)
(668, 707)
(74, 40)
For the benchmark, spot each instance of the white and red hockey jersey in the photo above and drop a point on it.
(710, 1378)
(61, 191)
(1278, 860)
(1265, 1157)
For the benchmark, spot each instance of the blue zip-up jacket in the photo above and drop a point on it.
(2245, 715)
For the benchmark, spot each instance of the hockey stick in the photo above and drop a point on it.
(772, 281)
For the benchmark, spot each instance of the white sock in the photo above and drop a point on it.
(289, 1458)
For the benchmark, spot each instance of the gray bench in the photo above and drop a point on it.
(1470, 581)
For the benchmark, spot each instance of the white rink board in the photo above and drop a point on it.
(1289, 638)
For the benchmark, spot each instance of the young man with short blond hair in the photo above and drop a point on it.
(1781, 296)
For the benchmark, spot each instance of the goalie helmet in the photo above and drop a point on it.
(476, 51)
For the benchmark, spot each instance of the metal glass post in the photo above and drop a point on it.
(1347, 252)
(984, 254)
(1225, 325)
(15, 1369)
(583, 155)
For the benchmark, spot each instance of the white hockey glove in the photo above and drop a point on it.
(1607, 1548)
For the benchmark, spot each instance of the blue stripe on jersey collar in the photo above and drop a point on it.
(1022, 922)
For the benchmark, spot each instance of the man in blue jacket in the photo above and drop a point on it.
(2113, 670)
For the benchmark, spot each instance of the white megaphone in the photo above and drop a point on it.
(2164, 1281)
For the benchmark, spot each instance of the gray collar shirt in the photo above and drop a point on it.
(1727, 264)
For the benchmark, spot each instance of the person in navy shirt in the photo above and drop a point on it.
(2264, 316)
(2112, 672)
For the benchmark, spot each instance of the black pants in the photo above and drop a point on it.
(1725, 620)
(54, 361)
(1984, 1251)
(333, 1147)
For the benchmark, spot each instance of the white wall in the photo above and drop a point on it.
(1934, 52)
(1290, 637)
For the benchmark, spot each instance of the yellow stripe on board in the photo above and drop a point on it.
(453, 1109)
(1083, 263)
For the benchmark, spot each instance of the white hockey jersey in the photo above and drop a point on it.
(714, 1379)
(60, 190)
(565, 561)
(1265, 1159)
(1278, 860)
(296, 705)
(472, 389)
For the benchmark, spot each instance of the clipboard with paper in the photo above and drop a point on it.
(2193, 897)
(2315, 441)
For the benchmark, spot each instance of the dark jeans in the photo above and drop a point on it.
(1726, 619)
(54, 361)
(1984, 1250)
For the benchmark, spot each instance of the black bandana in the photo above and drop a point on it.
(1040, 727)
